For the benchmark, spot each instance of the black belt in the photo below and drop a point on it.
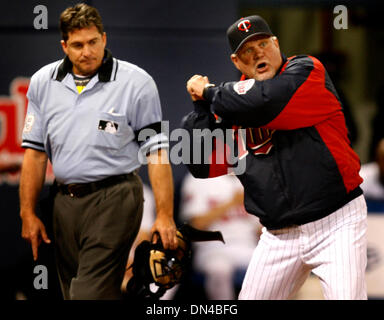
(79, 190)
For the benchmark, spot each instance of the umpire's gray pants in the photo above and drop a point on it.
(93, 236)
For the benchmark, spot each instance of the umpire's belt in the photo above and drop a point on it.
(79, 190)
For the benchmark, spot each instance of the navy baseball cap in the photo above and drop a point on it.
(245, 28)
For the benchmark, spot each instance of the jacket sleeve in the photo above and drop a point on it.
(206, 143)
(301, 95)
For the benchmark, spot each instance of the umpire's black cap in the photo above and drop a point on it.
(245, 28)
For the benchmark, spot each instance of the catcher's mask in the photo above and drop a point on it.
(153, 264)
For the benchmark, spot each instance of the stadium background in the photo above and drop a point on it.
(173, 40)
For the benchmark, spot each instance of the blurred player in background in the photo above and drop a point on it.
(217, 204)
(373, 175)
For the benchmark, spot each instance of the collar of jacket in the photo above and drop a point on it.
(284, 60)
(104, 71)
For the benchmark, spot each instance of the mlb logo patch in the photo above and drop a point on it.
(108, 126)
(29, 121)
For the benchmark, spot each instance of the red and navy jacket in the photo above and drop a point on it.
(300, 166)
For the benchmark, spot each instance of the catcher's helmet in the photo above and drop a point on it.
(153, 264)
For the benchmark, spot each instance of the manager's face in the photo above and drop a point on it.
(258, 58)
(85, 48)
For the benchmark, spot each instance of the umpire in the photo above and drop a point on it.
(85, 113)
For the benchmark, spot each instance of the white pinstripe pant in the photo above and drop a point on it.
(334, 248)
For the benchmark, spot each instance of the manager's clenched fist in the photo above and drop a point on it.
(196, 85)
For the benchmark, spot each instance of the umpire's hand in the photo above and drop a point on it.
(33, 231)
(166, 227)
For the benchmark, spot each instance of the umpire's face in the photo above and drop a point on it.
(258, 58)
(85, 48)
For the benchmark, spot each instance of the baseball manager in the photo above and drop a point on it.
(302, 176)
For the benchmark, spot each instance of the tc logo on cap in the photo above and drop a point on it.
(244, 25)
